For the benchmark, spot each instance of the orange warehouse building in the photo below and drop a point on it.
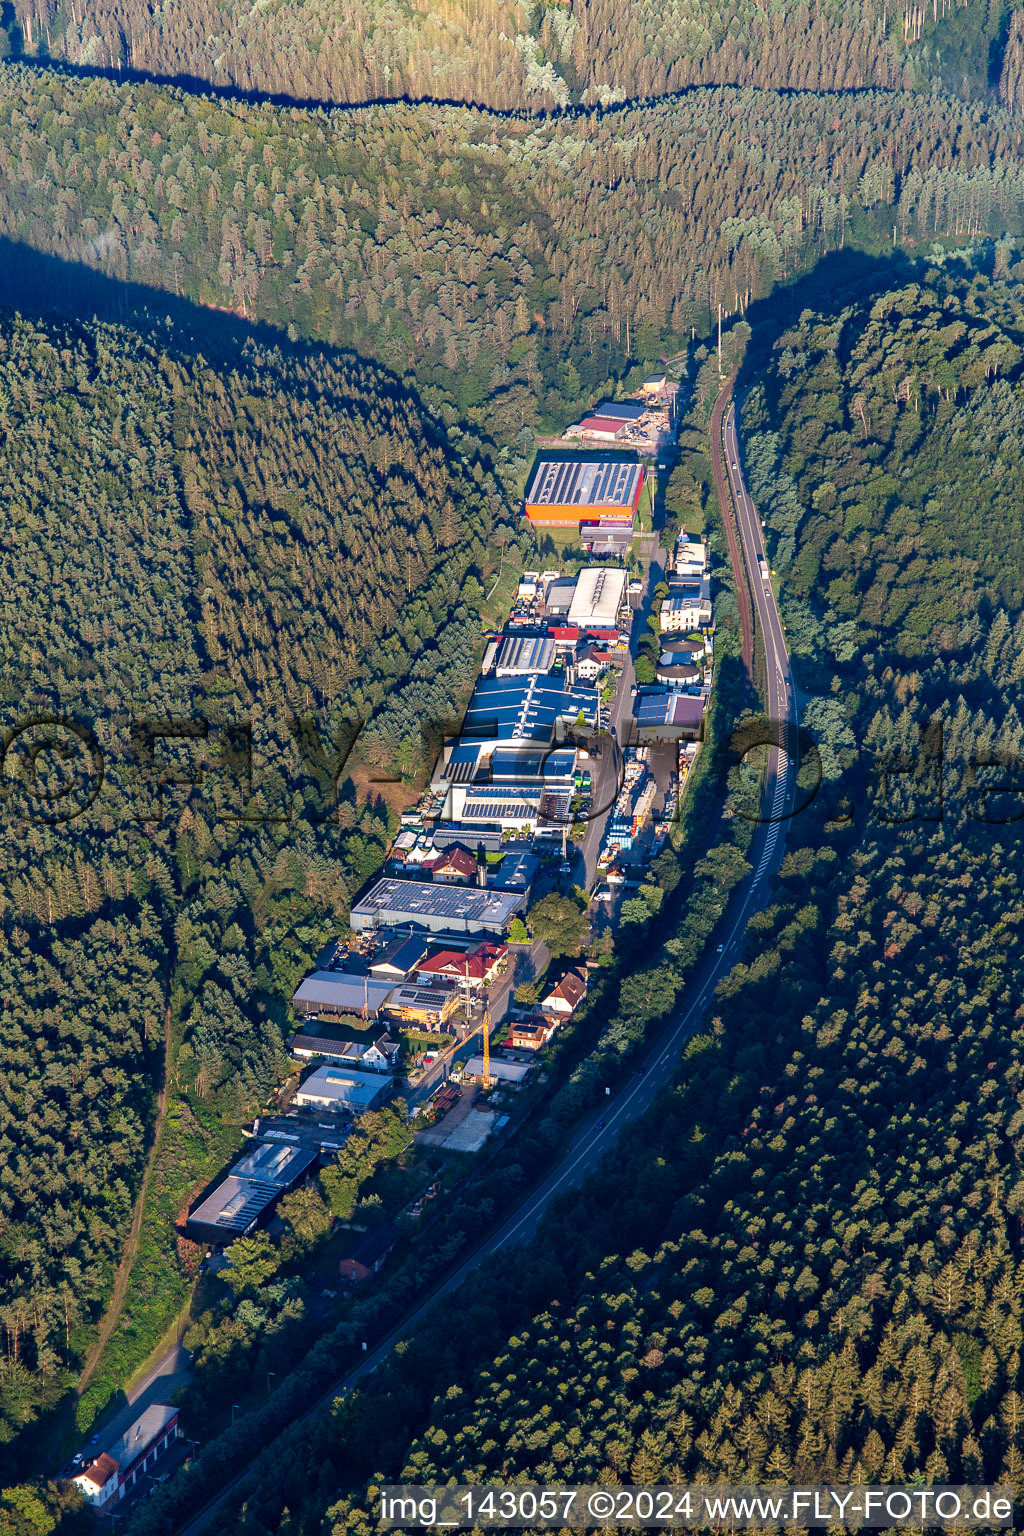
(566, 492)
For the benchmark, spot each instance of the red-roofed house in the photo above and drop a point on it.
(477, 967)
(455, 866)
(99, 1480)
(531, 1034)
(566, 996)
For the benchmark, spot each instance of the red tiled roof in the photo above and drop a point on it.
(458, 965)
(571, 989)
(101, 1470)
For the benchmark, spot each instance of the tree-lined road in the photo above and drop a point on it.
(598, 1135)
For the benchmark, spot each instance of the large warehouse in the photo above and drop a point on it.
(600, 593)
(436, 908)
(566, 492)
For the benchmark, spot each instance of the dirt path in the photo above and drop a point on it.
(131, 1246)
(739, 570)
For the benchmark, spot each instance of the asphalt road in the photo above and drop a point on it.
(600, 1132)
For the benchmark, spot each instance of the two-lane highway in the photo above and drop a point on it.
(599, 1133)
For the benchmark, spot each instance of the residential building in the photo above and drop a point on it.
(341, 1087)
(691, 557)
(531, 1034)
(98, 1481)
(566, 492)
(307, 1044)
(368, 1252)
(329, 994)
(684, 611)
(454, 866)
(591, 664)
(428, 1007)
(398, 959)
(473, 968)
(600, 593)
(115, 1471)
(565, 997)
(381, 1055)
(436, 908)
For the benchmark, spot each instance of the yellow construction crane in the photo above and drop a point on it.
(486, 1027)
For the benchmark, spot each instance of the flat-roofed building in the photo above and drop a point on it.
(339, 1088)
(504, 1071)
(566, 492)
(237, 1205)
(663, 717)
(685, 611)
(436, 908)
(600, 593)
(522, 654)
(691, 558)
(234, 1209)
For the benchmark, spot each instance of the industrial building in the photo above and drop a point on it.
(398, 959)
(248, 1194)
(600, 593)
(608, 536)
(337, 1087)
(602, 429)
(621, 410)
(520, 655)
(566, 492)
(329, 994)
(436, 908)
(511, 709)
(663, 717)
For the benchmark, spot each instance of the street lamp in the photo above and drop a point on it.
(269, 1375)
(234, 1409)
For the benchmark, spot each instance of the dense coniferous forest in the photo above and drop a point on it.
(513, 266)
(821, 1277)
(195, 546)
(515, 54)
(804, 1265)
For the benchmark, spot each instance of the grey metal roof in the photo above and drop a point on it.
(236, 1205)
(337, 989)
(274, 1161)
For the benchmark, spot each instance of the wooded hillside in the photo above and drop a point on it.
(804, 1265)
(509, 265)
(195, 547)
(512, 54)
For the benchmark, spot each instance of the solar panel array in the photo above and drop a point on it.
(585, 483)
